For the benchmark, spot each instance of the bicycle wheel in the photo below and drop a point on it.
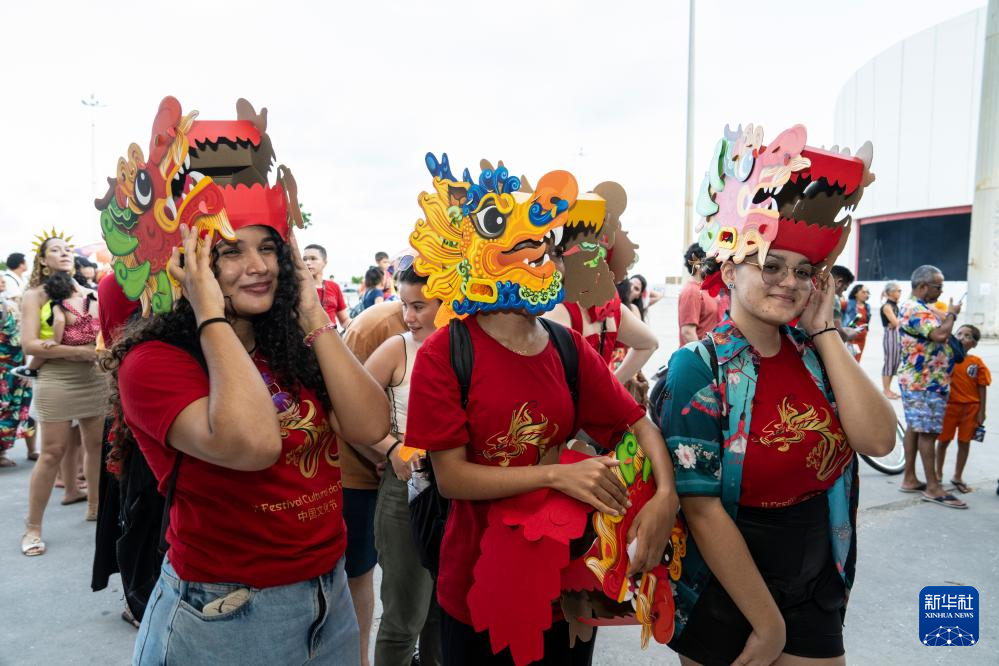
(894, 462)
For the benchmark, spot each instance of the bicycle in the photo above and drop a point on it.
(894, 462)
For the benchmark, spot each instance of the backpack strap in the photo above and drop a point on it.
(168, 501)
(461, 357)
(567, 353)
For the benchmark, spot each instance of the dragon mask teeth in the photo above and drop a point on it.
(781, 195)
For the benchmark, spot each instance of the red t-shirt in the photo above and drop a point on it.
(113, 308)
(518, 407)
(605, 342)
(273, 527)
(697, 307)
(332, 299)
(797, 447)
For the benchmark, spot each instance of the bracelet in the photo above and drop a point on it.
(824, 330)
(213, 320)
(316, 332)
(950, 314)
(388, 454)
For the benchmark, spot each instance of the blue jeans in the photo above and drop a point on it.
(311, 622)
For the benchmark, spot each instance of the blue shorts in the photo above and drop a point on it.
(359, 516)
(924, 410)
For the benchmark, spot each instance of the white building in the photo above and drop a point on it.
(918, 101)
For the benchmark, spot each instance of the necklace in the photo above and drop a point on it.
(511, 347)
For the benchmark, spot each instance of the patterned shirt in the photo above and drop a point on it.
(926, 365)
(706, 425)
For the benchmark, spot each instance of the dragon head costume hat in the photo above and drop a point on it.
(210, 175)
(484, 244)
(782, 195)
(596, 258)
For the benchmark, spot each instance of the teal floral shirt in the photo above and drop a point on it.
(705, 421)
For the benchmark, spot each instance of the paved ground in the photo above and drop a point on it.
(48, 615)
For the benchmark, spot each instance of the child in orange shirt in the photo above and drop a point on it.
(965, 407)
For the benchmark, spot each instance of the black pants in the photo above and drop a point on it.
(791, 549)
(462, 646)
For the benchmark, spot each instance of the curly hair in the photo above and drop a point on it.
(279, 340)
(38, 273)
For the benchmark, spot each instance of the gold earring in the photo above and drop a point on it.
(45, 271)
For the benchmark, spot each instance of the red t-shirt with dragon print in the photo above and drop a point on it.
(797, 447)
(276, 526)
(518, 408)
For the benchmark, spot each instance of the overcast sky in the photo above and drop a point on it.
(358, 93)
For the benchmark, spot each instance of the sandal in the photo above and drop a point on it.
(32, 546)
(961, 486)
(7, 462)
(915, 489)
(33, 456)
(947, 500)
(127, 616)
(75, 500)
(91, 513)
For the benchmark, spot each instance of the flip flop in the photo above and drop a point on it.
(961, 486)
(947, 500)
(7, 462)
(75, 500)
(917, 489)
(33, 547)
(33, 456)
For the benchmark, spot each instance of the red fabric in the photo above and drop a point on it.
(332, 299)
(518, 407)
(277, 526)
(790, 413)
(612, 310)
(84, 330)
(697, 307)
(113, 308)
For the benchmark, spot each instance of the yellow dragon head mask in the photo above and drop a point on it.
(484, 245)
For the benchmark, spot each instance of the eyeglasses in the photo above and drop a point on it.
(773, 272)
(935, 285)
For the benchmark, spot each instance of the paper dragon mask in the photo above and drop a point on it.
(210, 175)
(596, 259)
(484, 244)
(564, 551)
(781, 195)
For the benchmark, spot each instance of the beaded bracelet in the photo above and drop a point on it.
(316, 332)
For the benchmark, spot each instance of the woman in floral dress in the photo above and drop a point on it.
(15, 392)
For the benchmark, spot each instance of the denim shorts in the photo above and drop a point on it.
(311, 622)
(924, 410)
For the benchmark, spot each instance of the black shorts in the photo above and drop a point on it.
(791, 549)
(359, 517)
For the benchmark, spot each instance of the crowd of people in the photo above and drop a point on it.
(291, 443)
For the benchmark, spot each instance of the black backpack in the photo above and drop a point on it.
(659, 392)
(429, 510)
(143, 519)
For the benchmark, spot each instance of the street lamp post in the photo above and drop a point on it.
(688, 192)
(94, 104)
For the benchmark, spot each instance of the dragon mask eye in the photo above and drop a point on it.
(490, 222)
(143, 189)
